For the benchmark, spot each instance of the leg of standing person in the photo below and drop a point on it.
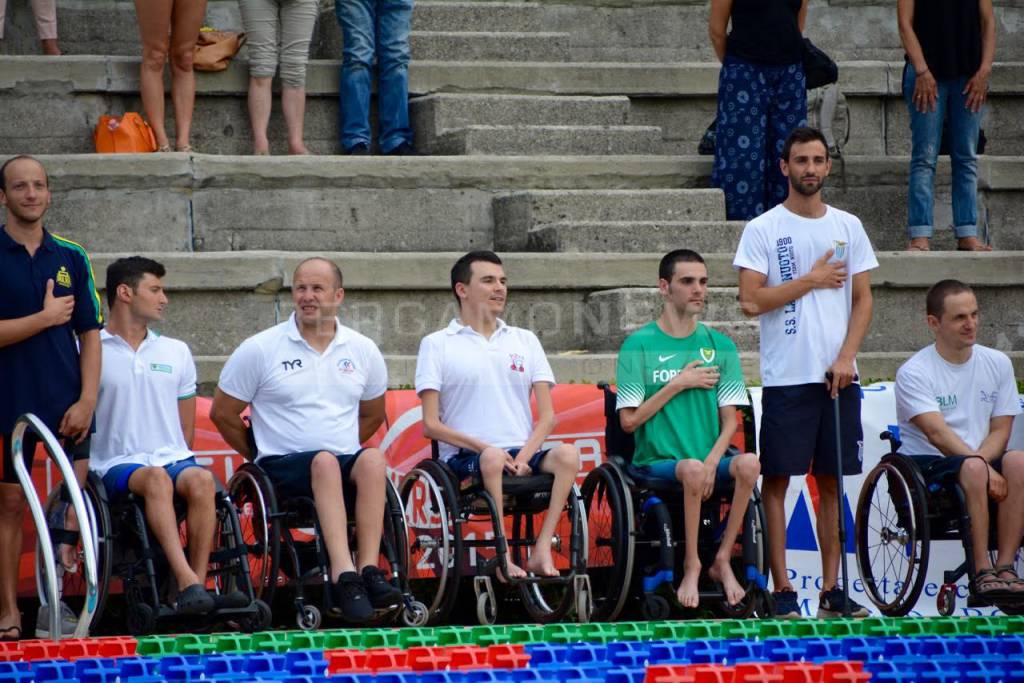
(297, 22)
(357, 19)
(12, 510)
(394, 22)
(260, 20)
(740, 138)
(787, 110)
(45, 12)
(925, 136)
(186, 20)
(154, 18)
(964, 128)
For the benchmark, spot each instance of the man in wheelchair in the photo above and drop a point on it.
(317, 392)
(475, 378)
(678, 387)
(956, 401)
(145, 423)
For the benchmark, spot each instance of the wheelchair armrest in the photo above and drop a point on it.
(894, 442)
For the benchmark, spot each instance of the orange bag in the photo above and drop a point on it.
(128, 134)
(214, 49)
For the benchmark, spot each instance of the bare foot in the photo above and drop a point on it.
(541, 564)
(297, 150)
(688, 593)
(721, 572)
(514, 572)
(971, 244)
(919, 244)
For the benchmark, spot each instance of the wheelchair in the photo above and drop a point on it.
(128, 561)
(898, 516)
(271, 526)
(452, 536)
(636, 538)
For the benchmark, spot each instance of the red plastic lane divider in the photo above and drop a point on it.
(768, 672)
(395, 660)
(69, 649)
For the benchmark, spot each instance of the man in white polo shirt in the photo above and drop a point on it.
(955, 401)
(475, 378)
(145, 422)
(317, 390)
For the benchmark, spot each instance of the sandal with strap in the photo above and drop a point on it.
(987, 584)
(61, 536)
(1014, 583)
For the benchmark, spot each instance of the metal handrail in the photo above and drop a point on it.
(56, 453)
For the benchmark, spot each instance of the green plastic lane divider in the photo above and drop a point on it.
(417, 637)
(526, 634)
(489, 635)
(453, 635)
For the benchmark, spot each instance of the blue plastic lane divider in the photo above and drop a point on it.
(744, 651)
(306, 663)
(784, 649)
(54, 670)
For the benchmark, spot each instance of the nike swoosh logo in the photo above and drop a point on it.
(662, 359)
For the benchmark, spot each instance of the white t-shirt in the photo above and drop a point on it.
(801, 340)
(967, 396)
(303, 400)
(137, 418)
(484, 384)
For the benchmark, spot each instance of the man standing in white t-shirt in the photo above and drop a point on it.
(317, 391)
(956, 401)
(145, 423)
(804, 272)
(475, 378)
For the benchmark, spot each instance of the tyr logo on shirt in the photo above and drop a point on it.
(63, 277)
(292, 364)
(517, 363)
(346, 366)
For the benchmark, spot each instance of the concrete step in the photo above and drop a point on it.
(635, 236)
(522, 140)
(636, 306)
(490, 46)
(219, 299)
(516, 214)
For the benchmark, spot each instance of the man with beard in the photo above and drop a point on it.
(803, 271)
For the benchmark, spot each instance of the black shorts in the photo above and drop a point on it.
(941, 472)
(798, 433)
(74, 451)
(290, 473)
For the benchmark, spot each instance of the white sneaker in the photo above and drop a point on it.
(68, 621)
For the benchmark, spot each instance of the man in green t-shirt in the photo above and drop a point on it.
(679, 383)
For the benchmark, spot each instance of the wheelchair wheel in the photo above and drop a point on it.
(892, 535)
(253, 497)
(72, 584)
(609, 519)
(434, 542)
(549, 602)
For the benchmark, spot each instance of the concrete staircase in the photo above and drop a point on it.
(561, 133)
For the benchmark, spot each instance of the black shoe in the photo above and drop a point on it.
(403, 150)
(361, 149)
(193, 600)
(232, 600)
(382, 594)
(830, 605)
(350, 598)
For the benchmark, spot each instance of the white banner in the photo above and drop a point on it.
(878, 414)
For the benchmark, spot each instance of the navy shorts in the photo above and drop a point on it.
(943, 471)
(798, 431)
(665, 470)
(466, 463)
(79, 451)
(290, 473)
(115, 481)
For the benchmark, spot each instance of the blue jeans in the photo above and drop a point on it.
(925, 136)
(381, 28)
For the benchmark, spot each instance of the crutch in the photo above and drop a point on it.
(842, 502)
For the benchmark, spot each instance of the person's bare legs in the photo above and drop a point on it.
(325, 479)
(773, 495)
(492, 465)
(196, 486)
(827, 517)
(153, 485)
(154, 17)
(369, 475)
(973, 480)
(745, 470)
(186, 20)
(1011, 510)
(260, 104)
(690, 474)
(293, 102)
(563, 462)
(12, 510)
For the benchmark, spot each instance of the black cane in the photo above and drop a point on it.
(842, 506)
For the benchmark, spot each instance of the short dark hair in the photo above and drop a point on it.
(935, 301)
(462, 271)
(338, 279)
(129, 271)
(667, 267)
(20, 157)
(801, 135)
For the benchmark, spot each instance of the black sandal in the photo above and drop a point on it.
(1014, 585)
(7, 637)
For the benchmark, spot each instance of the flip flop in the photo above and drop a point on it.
(916, 247)
(6, 637)
(976, 247)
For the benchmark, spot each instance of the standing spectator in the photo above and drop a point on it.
(804, 271)
(378, 28)
(279, 32)
(45, 12)
(950, 47)
(762, 97)
(169, 28)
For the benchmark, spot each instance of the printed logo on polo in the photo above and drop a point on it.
(707, 355)
(292, 364)
(63, 277)
(516, 362)
(946, 402)
(989, 396)
(161, 367)
(346, 366)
